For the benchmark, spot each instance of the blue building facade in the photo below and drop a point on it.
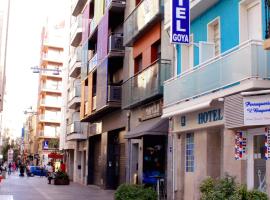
(218, 101)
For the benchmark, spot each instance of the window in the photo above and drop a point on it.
(155, 51)
(187, 56)
(190, 152)
(214, 35)
(250, 26)
(138, 64)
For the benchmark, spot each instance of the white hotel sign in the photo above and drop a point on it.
(257, 110)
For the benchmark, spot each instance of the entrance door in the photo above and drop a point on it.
(113, 161)
(136, 162)
(259, 162)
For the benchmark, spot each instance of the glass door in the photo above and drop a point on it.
(259, 162)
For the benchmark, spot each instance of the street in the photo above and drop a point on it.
(36, 188)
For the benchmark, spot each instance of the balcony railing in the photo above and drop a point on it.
(50, 103)
(114, 93)
(118, 3)
(47, 118)
(245, 61)
(51, 88)
(77, 6)
(146, 84)
(76, 31)
(53, 57)
(143, 16)
(92, 63)
(92, 26)
(76, 57)
(75, 92)
(116, 42)
(74, 128)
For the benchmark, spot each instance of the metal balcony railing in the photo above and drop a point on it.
(75, 127)
(142, 17)
(116, 42)
(146, 84)
(92, 63)
(114, 93)
(119, 3)
(75, 92)
(248, 60)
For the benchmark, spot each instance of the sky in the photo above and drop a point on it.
(23, 52)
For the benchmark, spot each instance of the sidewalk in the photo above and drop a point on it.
(36, 188)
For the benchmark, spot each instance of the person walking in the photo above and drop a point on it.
(50, 173)
(9, 168)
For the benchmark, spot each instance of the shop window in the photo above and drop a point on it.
(190, 152)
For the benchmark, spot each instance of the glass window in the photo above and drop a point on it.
(190, 152)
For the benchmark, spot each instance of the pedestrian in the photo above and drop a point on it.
(41, 171)
(50, 173)
(9, 168)
(21, 170)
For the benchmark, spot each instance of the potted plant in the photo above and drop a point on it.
(61, 178)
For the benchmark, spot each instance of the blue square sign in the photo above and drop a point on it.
(180, 22)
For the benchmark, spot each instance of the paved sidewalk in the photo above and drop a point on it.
(36, 188)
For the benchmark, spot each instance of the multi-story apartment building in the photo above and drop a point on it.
(218, 101)
(30, 142)
(76, 131)
(101, 79)
(148, 63)
(4, 18)
(50, 90)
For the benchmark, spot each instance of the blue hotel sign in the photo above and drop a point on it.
(180, 22)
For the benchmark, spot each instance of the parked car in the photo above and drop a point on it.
(37, 171)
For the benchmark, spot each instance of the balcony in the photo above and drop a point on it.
(114, 93)
(92, 27)
(141, 20)
(76, 32)
(51, 89)
(116, 47)
(92, 63)
(74, 99)
(75, 131)
(146, 85)
(115, 5)
(53, 58)
(45, 74)
(50, 103)
(43, 118)
(75, 63)
(233, 68)
(77, 6)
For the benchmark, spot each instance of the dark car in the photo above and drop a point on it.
(37, 171)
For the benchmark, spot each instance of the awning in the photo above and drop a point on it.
(155, 126)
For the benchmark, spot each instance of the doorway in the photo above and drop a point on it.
(256, 169)
(135, 164)
(113, 165)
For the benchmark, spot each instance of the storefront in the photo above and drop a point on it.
(147, 147)
(251, 123)
(197, 149)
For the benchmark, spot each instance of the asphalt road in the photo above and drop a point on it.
(37, 188)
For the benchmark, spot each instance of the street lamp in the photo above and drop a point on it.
(37, 69)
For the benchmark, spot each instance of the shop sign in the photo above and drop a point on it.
(151, 110)
(46, 144)
(210, 116)
(267, 143)
(240, 145)
(256, 110)
(180, 22)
